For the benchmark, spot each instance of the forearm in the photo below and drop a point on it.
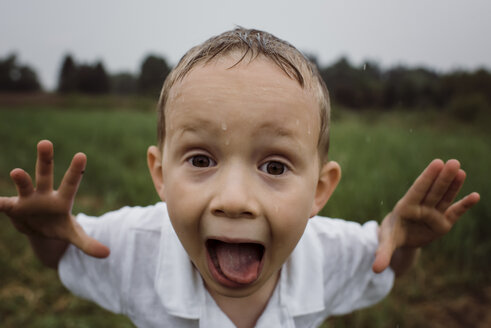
(403, 258)
(49, 251)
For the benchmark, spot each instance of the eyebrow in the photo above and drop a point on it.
(195, 126)
(264, 127)
(276, 130)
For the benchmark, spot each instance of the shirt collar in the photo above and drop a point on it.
(302, 279)
(178, 284)
(182, 292)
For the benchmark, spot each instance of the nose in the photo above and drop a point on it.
(234, 195)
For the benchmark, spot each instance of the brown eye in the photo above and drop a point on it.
(273, 168)
(201, 161)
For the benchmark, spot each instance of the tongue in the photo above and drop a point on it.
(239, 262)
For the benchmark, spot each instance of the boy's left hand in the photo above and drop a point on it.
(425, 213)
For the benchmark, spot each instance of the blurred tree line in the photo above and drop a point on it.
(368, 86)
(359, 87)
(15, 77)
(93, 79)
(86, 78)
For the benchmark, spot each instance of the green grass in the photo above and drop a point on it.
(115, 144)
(381, 158)
(380, 154)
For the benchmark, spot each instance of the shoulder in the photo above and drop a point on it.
(341, 246)
(341, 231)
(133, 235)
(342, 253)
(148, 218)
(128, 229)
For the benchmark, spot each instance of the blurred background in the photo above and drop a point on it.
(409, 81)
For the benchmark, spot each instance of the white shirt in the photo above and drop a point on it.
(149, 276)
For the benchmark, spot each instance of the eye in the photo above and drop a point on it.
(274, 168)
(201, 161)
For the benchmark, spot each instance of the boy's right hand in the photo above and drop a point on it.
(45, 213)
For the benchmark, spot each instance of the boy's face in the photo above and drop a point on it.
(240, 171)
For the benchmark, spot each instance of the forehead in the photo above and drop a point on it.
(231, 88)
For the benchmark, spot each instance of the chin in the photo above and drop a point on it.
(232, 292)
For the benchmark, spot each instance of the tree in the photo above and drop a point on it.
(153, 72)
(92, 79)
(411, 87)
(85, 78)
(101, 79)
(17, 78)
(351, 86)
(67, 81)
(463, 84)
(123, 83)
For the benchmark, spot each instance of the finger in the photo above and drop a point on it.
(44, 166)
(452, 191)
(385, 249)
(383, 257)
(73, 176)
(423, 183)
(22, 181)
(89, 245)
(454, 212)
(442, 183)
(94, 248)
(6, 204)
(435, 221)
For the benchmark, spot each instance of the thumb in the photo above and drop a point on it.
(384, 252)
(87, 244)
(6, 204)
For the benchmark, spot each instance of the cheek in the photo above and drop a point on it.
(185, 213)
(289, 215)
(179, 196)
(185, 216)
(289, 224)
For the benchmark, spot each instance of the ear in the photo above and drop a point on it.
(154, 162)
(329, 177)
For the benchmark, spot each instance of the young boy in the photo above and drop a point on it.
(242, 169)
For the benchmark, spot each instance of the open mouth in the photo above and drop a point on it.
(234, 264)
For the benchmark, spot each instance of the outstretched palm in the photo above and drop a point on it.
(45, 212)
(426, 212)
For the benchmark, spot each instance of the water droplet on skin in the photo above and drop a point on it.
(224, 126)
(308, 131)
(276, 209)
(227, 142)
(297, 122)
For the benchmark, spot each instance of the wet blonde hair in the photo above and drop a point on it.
(253, 43)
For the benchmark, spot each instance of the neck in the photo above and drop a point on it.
(245, 311)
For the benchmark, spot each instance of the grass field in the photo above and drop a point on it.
(380, 154)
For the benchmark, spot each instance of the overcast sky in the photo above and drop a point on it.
(440, 34)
